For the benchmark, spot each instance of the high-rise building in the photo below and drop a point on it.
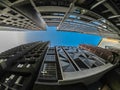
(19, 65)
(108, 54)
(99, 17)
(36, 66)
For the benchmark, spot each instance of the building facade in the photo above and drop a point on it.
(98, 17)
(36, 65)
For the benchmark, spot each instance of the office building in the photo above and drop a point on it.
(35, 66)
(98, 17)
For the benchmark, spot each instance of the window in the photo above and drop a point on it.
(50, 58)
(49, 71)
(12, 12)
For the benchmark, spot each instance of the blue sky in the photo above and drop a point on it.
(60, 38)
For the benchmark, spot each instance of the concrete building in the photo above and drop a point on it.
(99, 17)
(36, 66)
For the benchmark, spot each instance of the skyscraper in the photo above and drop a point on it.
(19, 65)
(91, 17)
(35, 66)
